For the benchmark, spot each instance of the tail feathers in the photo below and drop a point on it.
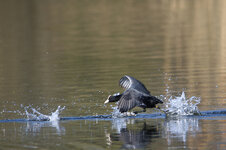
(156, 100)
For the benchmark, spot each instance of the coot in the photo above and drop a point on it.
(135, 95)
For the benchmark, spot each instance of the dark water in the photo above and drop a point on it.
(72, 53)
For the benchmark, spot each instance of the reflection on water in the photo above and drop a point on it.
(134, 137)
(33, 128)
(118, 133)
(120, 123)
(31, 133)
(180, 127)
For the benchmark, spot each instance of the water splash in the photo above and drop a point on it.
(180, 106)
(34, 115)
(116, 113)
(173, 106)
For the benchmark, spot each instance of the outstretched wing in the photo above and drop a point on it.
(130, 82)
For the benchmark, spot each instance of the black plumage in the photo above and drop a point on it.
(135, 94)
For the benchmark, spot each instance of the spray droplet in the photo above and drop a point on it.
(182, 105)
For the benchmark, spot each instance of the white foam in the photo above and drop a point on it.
(181, 105)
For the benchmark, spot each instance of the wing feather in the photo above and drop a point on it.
(129, 82)
(129, 100)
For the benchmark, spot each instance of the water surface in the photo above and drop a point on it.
(72, 54)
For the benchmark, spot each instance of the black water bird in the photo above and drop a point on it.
(135, 95)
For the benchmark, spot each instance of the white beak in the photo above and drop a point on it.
(107, 101)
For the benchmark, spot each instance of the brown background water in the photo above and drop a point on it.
(72, 53)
